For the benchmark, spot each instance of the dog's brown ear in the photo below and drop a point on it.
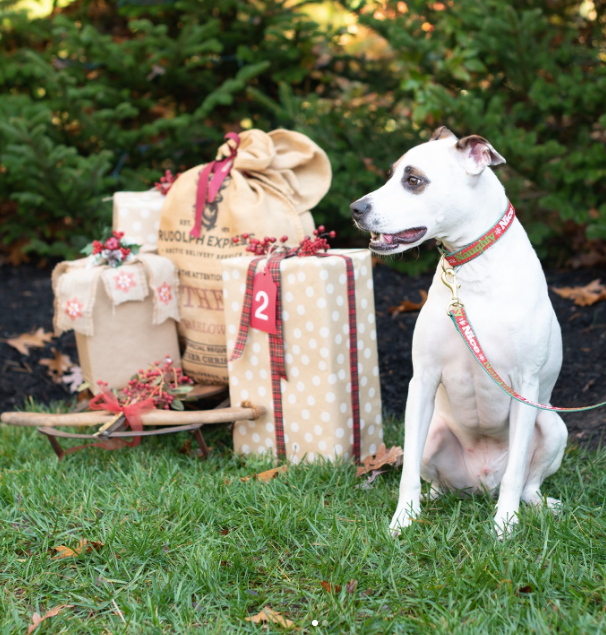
(442, 133)
(475, 153)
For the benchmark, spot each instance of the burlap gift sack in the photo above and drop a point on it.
(316, 397)
(271, 181)
(124, 317)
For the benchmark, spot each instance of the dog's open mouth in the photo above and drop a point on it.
(385, 243)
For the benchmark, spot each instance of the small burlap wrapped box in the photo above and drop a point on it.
(316, 399)
(124, 317)
(137, 214)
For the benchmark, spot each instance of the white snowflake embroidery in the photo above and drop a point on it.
(125, 281)
(164, 293)
(73, 308)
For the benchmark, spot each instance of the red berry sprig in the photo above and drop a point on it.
(307, 247)
(166, 182)
(112, 250)
(163, 383)
(111, 244)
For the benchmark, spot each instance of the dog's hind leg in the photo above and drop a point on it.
(549, 443)
(435, 491)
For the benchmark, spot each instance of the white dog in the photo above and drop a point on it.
(462, 431)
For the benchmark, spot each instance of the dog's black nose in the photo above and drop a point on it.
(359, 208)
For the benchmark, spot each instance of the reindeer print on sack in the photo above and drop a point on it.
(211, 210)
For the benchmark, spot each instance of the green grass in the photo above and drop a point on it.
(170, 567)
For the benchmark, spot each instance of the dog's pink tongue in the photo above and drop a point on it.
(388, 238)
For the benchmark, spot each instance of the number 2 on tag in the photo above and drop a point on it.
(263, 310)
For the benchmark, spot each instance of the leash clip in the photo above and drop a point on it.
(453, 285)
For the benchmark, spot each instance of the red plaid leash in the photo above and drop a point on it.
(463, 325)
(276, 345)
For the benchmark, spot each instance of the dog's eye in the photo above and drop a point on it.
(413, 180)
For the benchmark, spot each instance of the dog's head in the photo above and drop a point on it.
(427, 192)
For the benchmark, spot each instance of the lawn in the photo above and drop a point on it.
(188, 547)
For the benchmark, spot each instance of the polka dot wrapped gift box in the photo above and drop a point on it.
(137, 214)
(321, 415)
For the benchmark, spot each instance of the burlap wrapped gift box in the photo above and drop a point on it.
(317, 396)
(124, 317)
(137, 214)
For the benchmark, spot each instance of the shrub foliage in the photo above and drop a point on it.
(105, 94)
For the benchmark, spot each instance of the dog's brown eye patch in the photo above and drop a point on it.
(414, 180)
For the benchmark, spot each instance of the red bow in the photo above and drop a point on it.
(106, 400)
(207, 191)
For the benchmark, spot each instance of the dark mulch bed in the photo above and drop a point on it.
(27, 303)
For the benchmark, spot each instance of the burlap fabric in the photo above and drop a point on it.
(316, 398)
(75, 287)
(124, 317)
(275, 180)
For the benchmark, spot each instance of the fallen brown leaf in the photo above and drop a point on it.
(57, 367)
(584, 296)
(269, 615)
(267, 475)
(592, 258)
(406, 305)
(37, 620)
(330, 588)
(350, 587)
(16, 255)
(84, 546)
(35, 339)
(525, 589)
(394, 456)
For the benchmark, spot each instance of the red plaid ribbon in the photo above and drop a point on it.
(276, 345)
(353, 351)
(246, 307)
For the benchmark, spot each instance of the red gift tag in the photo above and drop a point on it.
(263, 310)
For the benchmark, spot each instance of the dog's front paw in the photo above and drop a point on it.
(403, 518)
(504, 524)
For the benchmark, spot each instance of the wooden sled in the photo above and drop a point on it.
(113, 430)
